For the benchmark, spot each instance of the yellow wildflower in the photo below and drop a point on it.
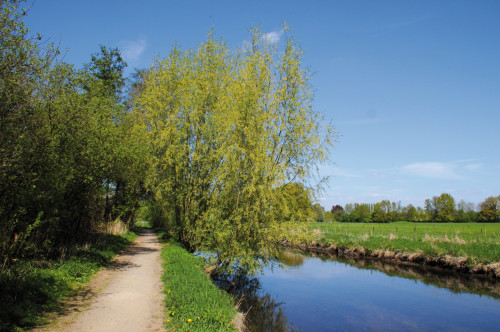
(189, 320)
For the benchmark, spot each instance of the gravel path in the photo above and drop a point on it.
(131, 298)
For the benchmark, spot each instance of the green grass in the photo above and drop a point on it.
(480, 243)
(193, 302)
(142, 224)
(31, 289)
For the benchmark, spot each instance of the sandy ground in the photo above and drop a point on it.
(125, 297)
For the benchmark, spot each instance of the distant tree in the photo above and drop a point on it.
(490, 209)
(382, 211)
(441, 208)
(422, 214)
(410, 213)
(363, 212)
(349, 207)
(336, 208)
(319, 213)
(329, 216)
(396, 211)
(465, 212)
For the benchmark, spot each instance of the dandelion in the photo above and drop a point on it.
(168, 320)
(189, 320)
(168, 291)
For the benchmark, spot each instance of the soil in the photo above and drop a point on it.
(127, 296)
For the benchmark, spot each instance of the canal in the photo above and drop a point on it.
(328, 293)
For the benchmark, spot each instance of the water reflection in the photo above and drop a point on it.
(438, 277)
(263, 313)
(329, 293)
(290, 258)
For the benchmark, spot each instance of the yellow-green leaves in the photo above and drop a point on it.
(227, 130)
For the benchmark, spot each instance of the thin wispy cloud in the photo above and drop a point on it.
(435, 170)
(273, 36)
(473, 167)
(132, 50)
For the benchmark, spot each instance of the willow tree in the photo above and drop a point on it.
(228, 130)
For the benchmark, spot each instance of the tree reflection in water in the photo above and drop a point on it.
(263, 313)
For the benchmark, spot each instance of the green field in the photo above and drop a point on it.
(478, 242)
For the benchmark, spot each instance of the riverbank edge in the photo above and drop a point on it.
(448, 262)
(186, 285)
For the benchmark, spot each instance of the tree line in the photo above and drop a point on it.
(69, 163)
(442, 208)
(210, 143)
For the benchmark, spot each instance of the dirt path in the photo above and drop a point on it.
(129, 296)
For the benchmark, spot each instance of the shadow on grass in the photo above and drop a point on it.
(29, 290)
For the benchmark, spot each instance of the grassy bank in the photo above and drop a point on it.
(31, 289)
(475, 242)
(193, 302)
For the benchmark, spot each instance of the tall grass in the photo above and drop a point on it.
(479, 243)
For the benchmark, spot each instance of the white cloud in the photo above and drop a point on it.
(437, 170)
(132, 50)
(273, 36)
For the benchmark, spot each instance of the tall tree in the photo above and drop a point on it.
(441, 208)
(490, 209)
(226, 129)
(24, 143)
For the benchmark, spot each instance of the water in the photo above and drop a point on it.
(330, 294)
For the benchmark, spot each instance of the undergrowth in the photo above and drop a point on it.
(31, 289)
(193, 302)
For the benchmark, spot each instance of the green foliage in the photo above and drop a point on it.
(319, 213)
(296, 202)
(226, 130)
(191, 295)
(68, 161)
(490, 209)
(107, 67)
(438, 209)
(441, 208)
(31, 289)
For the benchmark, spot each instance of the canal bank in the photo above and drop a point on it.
(459, 264)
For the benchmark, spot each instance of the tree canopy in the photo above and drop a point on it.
(68, 163)
(229, 131)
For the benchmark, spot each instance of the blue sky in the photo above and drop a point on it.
(411, 87)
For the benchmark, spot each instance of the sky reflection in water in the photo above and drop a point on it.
(330, 295)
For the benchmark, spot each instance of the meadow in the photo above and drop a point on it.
(477, 242)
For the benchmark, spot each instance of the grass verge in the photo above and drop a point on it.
(193, 302)
(31, 289)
